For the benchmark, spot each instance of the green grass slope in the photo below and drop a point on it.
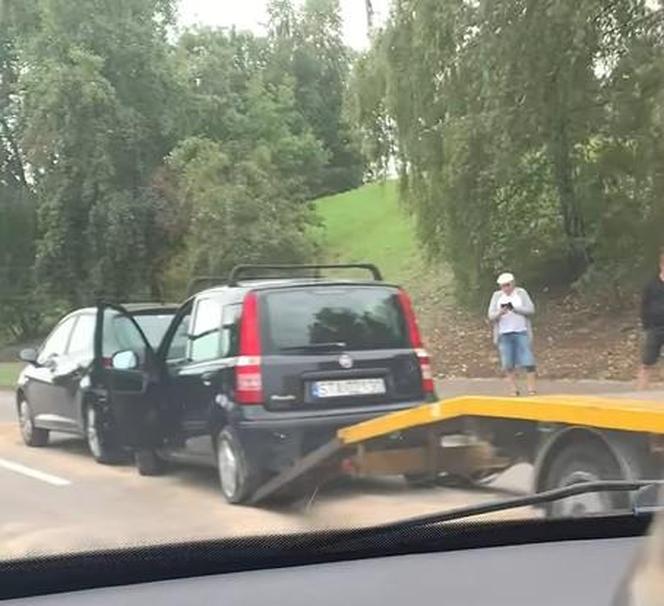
(9, 372)
(369, 225)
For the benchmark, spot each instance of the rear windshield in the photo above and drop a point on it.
(360, 318)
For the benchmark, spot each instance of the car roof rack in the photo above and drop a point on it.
(282, 271)
(199, 283)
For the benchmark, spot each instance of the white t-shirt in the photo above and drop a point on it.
(511, 321)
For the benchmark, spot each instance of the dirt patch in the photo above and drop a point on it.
(573, 339)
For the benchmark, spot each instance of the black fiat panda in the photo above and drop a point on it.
(257, 372)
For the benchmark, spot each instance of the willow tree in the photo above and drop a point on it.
(501, 113)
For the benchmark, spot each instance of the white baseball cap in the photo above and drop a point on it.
(505, 278)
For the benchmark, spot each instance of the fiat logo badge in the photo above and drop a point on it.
(345, 361)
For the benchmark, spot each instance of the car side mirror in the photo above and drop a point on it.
(125, 360)
(28, 355)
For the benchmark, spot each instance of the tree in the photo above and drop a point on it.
(242, 169)
(132, 154)
(98, 113)
(308, 49)
(508, 122)
(19, 315)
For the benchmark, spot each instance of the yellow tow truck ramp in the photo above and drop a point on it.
(563, 436)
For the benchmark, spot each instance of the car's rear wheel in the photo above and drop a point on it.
(100, 441)
(580, 463)
(238, 475)
(32, 436)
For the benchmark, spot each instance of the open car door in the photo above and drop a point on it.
(128, 374)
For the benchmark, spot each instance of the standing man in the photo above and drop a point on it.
(652, 319)
(510, 311)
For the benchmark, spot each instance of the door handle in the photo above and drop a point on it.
(207, 378)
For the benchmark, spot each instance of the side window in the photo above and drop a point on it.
(206, 330)
(230, 330)
(177, 350)
(81, 344)
(56, 343)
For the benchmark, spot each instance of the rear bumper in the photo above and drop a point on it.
(257, 418)
(277, 440)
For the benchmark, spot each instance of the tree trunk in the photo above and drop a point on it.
(573, 224)
(156, 291)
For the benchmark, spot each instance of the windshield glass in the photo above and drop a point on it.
(417, 244)
(354, 318)
(120, 333)
(154, 326)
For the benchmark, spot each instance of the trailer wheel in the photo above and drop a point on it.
(578, 462)
(239, 476)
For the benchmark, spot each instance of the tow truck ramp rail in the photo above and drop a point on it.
(364, 447)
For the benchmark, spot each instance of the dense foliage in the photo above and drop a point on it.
(133, 154)
(528, 134)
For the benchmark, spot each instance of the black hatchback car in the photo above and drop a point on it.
(56, 391)
(254, 374)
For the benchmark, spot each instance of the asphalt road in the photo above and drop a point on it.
(57, 499)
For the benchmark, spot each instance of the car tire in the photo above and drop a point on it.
(239, 476)
(32, 436)
(101, 442)
(148, 462)
(584, 462)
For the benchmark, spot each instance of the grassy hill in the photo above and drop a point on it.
(368, 224)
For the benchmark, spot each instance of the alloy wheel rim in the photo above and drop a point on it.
(228, 469)
(92, 433)
(25, 421)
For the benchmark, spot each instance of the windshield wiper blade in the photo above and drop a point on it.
(539, 498)
(316, 347)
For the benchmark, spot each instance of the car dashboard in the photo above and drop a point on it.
(584, 572)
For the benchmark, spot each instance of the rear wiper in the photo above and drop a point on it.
(316, 347)
(539, 498)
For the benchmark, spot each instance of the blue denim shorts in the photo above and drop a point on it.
(516, 351)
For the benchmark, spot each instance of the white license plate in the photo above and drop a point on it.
(349, 387)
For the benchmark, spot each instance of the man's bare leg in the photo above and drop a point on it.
(531, 380)
(644, 378)
(510, 377)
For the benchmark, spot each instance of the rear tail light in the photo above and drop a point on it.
(416, 342)
(425, 368)
(248, 376)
